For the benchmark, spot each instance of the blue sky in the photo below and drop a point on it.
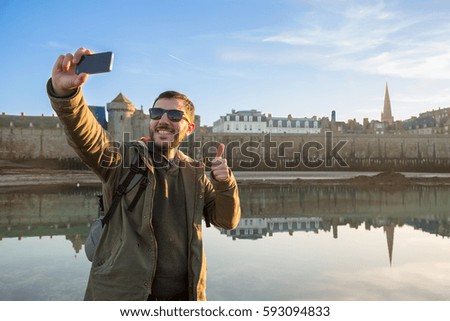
(282, 57)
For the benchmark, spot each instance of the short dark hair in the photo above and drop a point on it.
(188, 105)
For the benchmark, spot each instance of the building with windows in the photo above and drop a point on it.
(245, 121)
(440, 115)
(253, 121)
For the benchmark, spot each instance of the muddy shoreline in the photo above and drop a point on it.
(20, 179)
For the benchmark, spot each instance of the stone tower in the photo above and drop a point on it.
(120, 112)
(386, 115)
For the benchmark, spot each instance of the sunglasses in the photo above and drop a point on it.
(174, 115)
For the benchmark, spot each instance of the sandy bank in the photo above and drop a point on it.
(10, 177)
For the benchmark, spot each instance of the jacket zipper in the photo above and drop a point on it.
(153, 237)
(191, 278)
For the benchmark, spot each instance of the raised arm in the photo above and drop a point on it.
(88, 139)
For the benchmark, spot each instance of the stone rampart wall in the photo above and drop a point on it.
(29, 143)
(329, 151)
(265, 152)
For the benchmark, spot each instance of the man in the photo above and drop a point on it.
(155, 250)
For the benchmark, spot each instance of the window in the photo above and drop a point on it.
(288, 123)
(228, 118)
(270, 123)
(245, 127)
(280, 123)
(259, 118)
(228, 127)
(237, 117)
(250, 118)
(306, 124)
(245, 118)
(297, 124)
(316, 125)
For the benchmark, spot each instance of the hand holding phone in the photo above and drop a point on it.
(95, 63)
(72, 71)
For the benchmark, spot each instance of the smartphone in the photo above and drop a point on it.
(95, 63)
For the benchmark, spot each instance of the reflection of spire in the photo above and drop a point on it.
(335, 227)
(389, 230)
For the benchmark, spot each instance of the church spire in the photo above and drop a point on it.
(386, 115)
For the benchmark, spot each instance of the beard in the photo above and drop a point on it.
(166, 146)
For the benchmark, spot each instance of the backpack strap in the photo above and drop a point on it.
(142, 186)
(121, 189)
(207, 219)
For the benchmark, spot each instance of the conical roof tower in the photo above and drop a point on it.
(120, 112)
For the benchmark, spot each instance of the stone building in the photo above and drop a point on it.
(253, 121)
(440, 115)
(245, 121)
(421, 126)
(301, 143)
(25, 137)
(123, 117)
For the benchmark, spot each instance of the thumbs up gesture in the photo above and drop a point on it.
(219, 167)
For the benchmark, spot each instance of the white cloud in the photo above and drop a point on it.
(57, 45)
(371, 39)
(290, 39)
(431, 61)
(440, 97)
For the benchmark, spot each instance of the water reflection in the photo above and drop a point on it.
(266, 210)
(288, 209)
(49, 211)
(279, 218)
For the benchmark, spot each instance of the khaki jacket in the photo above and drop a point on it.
(124, 264)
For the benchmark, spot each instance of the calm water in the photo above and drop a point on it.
(293, 243)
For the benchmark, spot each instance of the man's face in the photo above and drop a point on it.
(166, 133)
